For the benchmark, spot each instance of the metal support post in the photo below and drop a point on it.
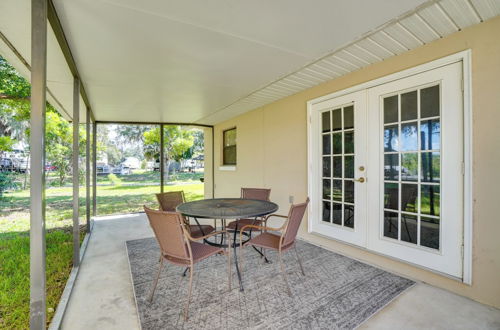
(162, 158)
(94, 169)
(87, 169)
(76, 126)
(37, 163)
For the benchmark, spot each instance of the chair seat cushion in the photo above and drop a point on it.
(197, 232)
(244, 222)
(201, 251)
(268, 241)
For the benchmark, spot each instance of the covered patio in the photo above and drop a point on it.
(103, 296)
(380, 113)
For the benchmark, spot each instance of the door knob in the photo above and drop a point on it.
(360, 180)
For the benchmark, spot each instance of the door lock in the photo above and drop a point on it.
(360, 180)
(361, 168)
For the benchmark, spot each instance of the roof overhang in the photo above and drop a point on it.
(179, 61)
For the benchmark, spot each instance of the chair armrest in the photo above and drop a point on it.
(275, 215)
(206, 236)
(260, 227)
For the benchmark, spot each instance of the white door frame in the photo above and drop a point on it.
(465, 58)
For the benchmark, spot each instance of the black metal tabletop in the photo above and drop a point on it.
(227, 208)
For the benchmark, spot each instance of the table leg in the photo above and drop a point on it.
(236, 258)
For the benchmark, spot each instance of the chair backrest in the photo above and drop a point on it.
(170, 200)
(295, 216)
(169, 232)
(256, 193)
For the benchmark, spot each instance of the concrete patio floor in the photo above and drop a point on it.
(102, 297)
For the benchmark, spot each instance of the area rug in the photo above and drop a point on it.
(336, 293)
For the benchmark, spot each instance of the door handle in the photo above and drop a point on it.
(360, 180)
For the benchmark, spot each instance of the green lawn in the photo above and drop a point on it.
(14, 235)
(14, 206)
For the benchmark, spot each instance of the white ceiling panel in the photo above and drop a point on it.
(461, 12)
(182, 61)
(420, 28)
(486, 8)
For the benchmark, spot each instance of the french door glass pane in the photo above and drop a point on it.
(409, 137)
(429, 102)
(337, 213)
(430, 199)
(349, 215)
(327, 166)
(349, 117)
(412, 166)
(327, 145)
(337, 143)
(327, 191)
(391, 196)
(349, 142)
(409, 224)
(337, 190)
(325, 121)
(337, 120)
(409, 167)
(409, 193)
(431, 164)
(430, 134)
(349, 167)
(391, 225)
(391, 109)
(326, 211)
(391, 165)
(409, 106)
(429, 232)
(338, 166)
(349, 191)
(391, 142)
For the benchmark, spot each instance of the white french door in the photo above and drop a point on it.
(339, 168)
(415, 156)
(391, 180)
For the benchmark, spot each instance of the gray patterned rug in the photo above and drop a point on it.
(336, 293)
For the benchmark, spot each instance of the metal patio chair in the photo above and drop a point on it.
(281, 243)
(251, 193)
(178, 247)
(170, 200)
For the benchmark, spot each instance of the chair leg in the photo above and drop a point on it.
(264, 254)
(284, 274)
(240, 256)
(298, 258)
(155, 282)
(229, 270)
(186, 309)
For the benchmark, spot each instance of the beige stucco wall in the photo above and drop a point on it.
(208, 164)
(272, 152)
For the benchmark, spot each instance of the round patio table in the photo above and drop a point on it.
(227, 208)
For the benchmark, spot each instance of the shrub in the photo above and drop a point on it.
(115, 181)
(7, 181)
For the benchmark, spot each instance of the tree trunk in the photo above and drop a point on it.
(26, 173)
(165, 171)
